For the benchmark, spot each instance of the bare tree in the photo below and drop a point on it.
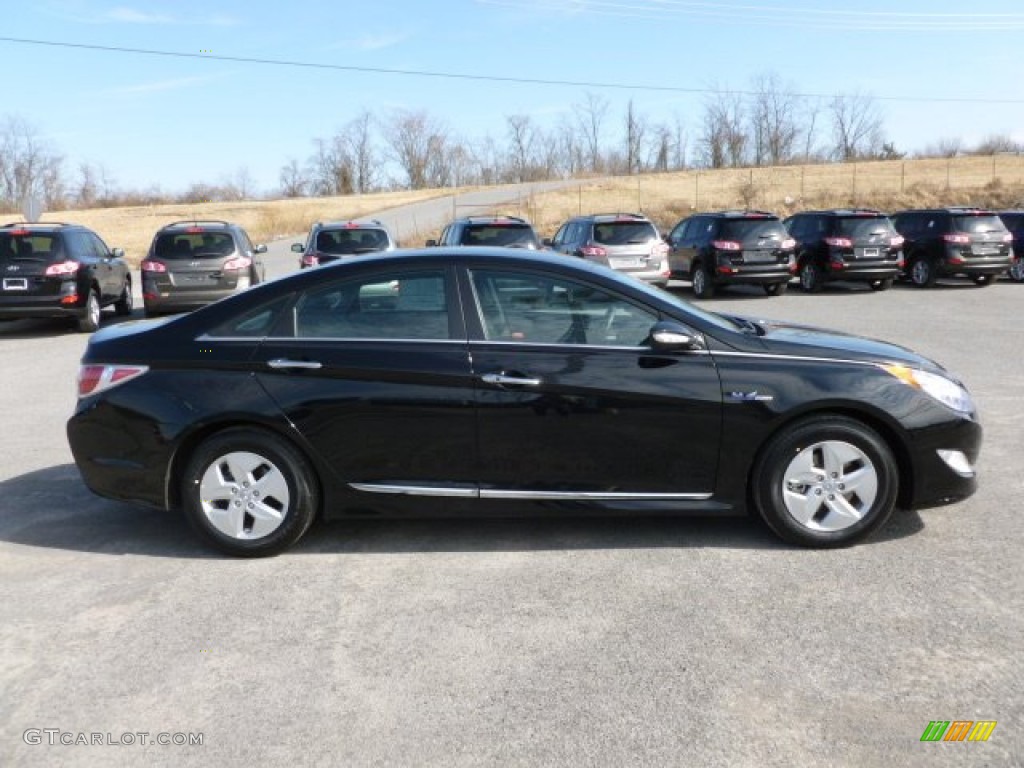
(413, 138)
(950, 146)
(590, 118)
(856, 126)
(87, 187)
(357, 137)
(811, 111)
(773, 121)
(680, 142)
(292, 179)
(521, 137)
(636, 132)
(331, 168)
(723, 141)
(998, 143)
(29, 167)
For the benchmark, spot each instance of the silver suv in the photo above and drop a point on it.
(329, 241)
(628, 242)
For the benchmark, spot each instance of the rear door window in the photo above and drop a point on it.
(26, 244)
(751, 231)
(980, 225)
(624, 232)
(502, 235)
(863, 227)
(193, 245)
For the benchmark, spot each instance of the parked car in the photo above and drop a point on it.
(494, 381)
(501, 231)
(732, 248)
(61, 270)
(329, 241)
(845, 244)
(193, 263)
(1014, 221)
(947, 242)
(628, 242)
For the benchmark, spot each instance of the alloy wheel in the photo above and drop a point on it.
(829, 486)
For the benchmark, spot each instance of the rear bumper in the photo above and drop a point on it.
(166, 301)
(39, 307)
(755, 276)
(872, 271)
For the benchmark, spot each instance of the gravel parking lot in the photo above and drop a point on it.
(585, 642)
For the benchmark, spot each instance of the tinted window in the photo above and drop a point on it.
(624, 232)
(349, 241)
(99, 248)
(1014, 222)
(499, 235)
(24, 244)
(978, 224)
(864, 226)
(398, 305)
(190, 245)
(549, 310)
(255, 323)
(746, 230)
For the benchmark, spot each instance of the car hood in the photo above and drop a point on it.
(785, 338)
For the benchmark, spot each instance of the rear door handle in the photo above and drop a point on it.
(514, 381)
(282, 363)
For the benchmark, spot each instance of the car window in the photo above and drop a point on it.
(25, 244)
(253, 323)
(752, 230)
(188, 245)
(538, 309)
(624, 232)
(386, 305)
(499, 235)
(978, 224)
(864, 226)
(679, 232)
(99, 248)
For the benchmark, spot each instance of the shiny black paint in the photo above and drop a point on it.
(607, 419)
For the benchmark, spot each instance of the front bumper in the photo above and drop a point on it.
(939, 477)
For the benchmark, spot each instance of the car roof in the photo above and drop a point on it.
(492, 219)
(604, 217)
(961, 209)
(198, 224)
(844, 212)
(41, 225)
(740, 214)
(351, 224)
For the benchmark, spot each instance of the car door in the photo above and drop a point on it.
(373, 371)
(106, 274)
(677, 261)
(574, 402)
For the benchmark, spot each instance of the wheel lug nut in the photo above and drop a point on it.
(256, 494)
(238, 503)
(835, 474)
(817, 492)
(246, 483)
(831, 497)
(842, 486)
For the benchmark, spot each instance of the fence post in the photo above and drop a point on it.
(903, 177)
(579, 190)
(853, 193)
(696, 190)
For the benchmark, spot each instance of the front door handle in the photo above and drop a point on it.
(282, 363)
(513, 381)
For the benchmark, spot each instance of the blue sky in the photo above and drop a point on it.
(172, 121)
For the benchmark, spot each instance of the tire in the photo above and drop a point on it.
(881, 285)
(776, 289)
(703, 287)
(923, 272)
(1017, 270)
(983, 280)
(232, 516)
(90, 320)
(811, 278)
(804, 503)
(124, 305)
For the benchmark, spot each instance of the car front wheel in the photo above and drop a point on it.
(810, 277)
(125, 303)
(827, 481)
(922, 272)
(1017, 270)
(249, 493)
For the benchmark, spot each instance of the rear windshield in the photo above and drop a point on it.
(502, 235)
(980, 225)
(32, 245)
(624, 232)
(190, 245)
(342, 241)
(865, 226)
(747, 230)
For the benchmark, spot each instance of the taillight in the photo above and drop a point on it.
(239, 262)
(958, 239)
(1008, 238)
(593, 250)
(93, 379)
(152, 266)
(788, 243)
(839, 242)
(310, 260)
(727, 245)
(897, 241)
(659, 249)
(68, 267)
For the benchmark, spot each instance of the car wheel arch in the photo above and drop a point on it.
(190, 442)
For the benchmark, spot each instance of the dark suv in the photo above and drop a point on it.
(61, 270)
(501, 231)
(627, 242)
(1014, 221)
(194, 263)
(732, 247)
(329, 241)
(943, 242)
(843, 244)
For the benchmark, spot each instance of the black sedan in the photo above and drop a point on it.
(490, 381)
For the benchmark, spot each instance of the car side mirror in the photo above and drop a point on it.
(669, 336)
(547, 241)
(298, 247)
(117, 253)
(261, 248)
(431, 243)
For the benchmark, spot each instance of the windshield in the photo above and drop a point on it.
(865, 226)
(978, 225)
(753, 230)
(190, 245)
(505, 235)
(31, 245)
(624, 232)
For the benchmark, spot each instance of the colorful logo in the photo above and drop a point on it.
(958, 730)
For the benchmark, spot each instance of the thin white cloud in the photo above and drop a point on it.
(124, 14)
(370, 42)
(158, 85)
(133, 16)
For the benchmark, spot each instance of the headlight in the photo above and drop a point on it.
(945, 390)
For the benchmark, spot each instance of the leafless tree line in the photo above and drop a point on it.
(769, 123)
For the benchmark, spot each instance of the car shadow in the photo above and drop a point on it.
(51, 508)
(34, 328)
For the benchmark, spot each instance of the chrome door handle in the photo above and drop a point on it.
(282, 363)
(516, 381)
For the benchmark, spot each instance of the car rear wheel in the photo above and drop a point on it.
(703, 288)
(922, 272)
(1017, 270)
(827, 481)
(249, 493)
(124, 304)
(776, 289)
(881, 285)
(984, 279)
(89, 321)
(810, 277)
